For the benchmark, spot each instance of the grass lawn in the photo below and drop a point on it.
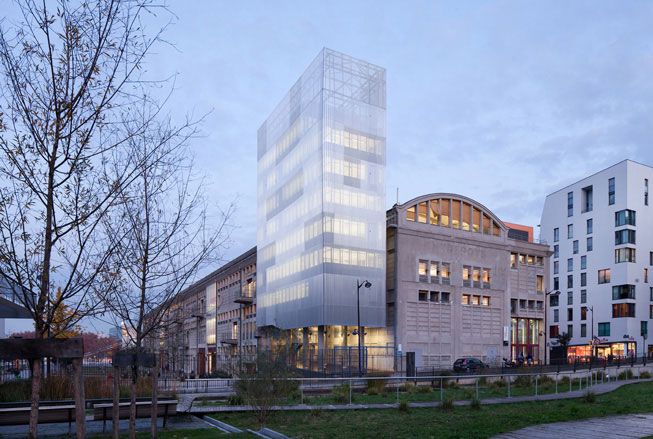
(459, 422)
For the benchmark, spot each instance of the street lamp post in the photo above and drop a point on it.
(366, 284)
(546, 328)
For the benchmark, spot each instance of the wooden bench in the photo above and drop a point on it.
(143, 410)
(47, 414)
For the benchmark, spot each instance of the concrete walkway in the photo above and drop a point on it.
(625, 426)
(597, 389)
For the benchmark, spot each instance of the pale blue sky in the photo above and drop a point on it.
(500, 101)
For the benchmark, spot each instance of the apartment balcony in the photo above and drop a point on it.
(244, 297)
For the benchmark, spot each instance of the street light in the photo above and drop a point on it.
(366, 284)
(546, 328)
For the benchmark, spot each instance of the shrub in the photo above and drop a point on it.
(626, 374)
(645, 374)
(447, 404)
(522, 381)
(500, 383)
(403, 406)
(423, 389)
(235, 400)
(589, 397)
(316, 413)
(543, 380)
(341, 393)
(475, 404)
(564, 381)
(482, 381)
(375, 387)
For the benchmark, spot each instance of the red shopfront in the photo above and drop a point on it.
(525, 338)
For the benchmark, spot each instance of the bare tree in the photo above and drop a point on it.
(68, 77)
(164, 236)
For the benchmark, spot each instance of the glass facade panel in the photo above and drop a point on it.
(434, 217)
(421, 212)
(444, 212)
(307, 273)
(455, 214)
(467, 216)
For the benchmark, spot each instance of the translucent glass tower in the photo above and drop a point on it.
(321, 198)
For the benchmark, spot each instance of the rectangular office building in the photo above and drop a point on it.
(321, 197)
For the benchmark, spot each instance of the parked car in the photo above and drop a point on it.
(468, 365)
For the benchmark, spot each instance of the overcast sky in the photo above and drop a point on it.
(503, 102)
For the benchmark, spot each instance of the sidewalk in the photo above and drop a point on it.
(625, 426)
(598, 389)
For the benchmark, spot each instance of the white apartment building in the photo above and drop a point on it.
(599, 229)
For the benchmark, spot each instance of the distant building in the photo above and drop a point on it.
(463, 283)
(599, 229)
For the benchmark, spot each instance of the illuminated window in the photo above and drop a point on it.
(485, 301)
(476, 277)
(410, 213)
(486, 224)
(455, 214)
(433, 272)
(604, 276)
(513, 260)
(434, 217)
(624, 255)
(467, 216)
(539, 284)
(444, 212)
(476, 220)
(623, 310)
(486, 278)
(466, 275)
(445, 272)
(421, 212)
(465, 299)
(476, 300)
(496, 230)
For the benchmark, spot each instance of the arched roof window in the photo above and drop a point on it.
(455, 211)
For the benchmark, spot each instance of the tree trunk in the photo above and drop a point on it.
(36, 393)
(132, 406)
(116, 403)
(155, 396)
(80, 402)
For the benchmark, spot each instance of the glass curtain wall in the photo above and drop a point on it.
(321, 198)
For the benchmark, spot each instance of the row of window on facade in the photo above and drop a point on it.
(624, 217)
(445, 297)
(446, 212)
(440, 272)
(587, 197)
(603, 278)
(525, 304)
(524, 259)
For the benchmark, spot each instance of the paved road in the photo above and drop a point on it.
(625, 426)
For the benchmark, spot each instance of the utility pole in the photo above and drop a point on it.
(366, 284)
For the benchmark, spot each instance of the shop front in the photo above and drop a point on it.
(603, 349)
(525, 339)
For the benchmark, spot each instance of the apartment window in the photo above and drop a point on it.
(513, 260)
(583, 330)
(570, 314)
(589, 244)
(445, 297)
(611, 191)
(422, 295)
(466, 299)
(570, 297)
(422, 270)
(646, 275)
(476, 277)
(570, 330)
(570, 281)
(522, 303)
(624, 217)
(623, 310)
(583, 279)
(531, 304)
(539, 305)
(556, 234)
(604, 329)
(485, 301)
(554, 331)
(556, 267)
(583, 262)
(575, 247)
(590, 226)
(554, 300)
(445, 271)
(646, 192)
(650, 294)
(650, 312)
(522, 259)
(433, 272)
(539, 284)
(539, 261)
(556, 316)
(570, 231)
(434, 296)
(650, 258)
(583, 296)
(486, 278)
(643, 328)
(624, 255)
(570, 264)
(604, 276)
(583, 313)
(467, 281)
(513, 306)
(570, 203)
(556, 283)
(587, 193)
(556, 251)
(476, 300)
(624, 236)
(531, 259)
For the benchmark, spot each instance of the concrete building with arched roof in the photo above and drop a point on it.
(461, 282)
